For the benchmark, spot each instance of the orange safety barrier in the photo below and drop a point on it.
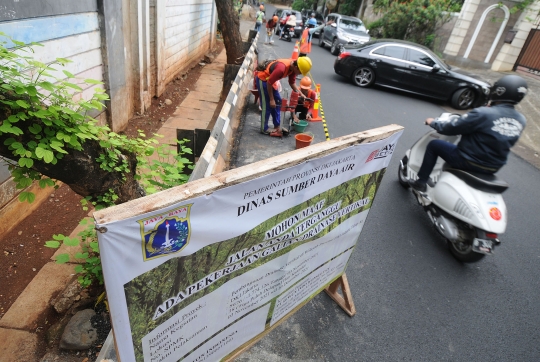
(315, 117)
(295, 52)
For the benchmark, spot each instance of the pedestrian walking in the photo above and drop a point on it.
(259, 18)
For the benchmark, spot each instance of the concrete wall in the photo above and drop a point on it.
(184, 29)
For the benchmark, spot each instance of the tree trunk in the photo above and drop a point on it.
(230, 29)
(81, 171)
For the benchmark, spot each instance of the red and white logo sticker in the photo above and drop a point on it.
(495, 213)
(372, 155)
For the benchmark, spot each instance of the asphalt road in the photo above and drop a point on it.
(414, 301)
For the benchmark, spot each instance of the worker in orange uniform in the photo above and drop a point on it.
(273, 72)
(307, 35)
(306, 100)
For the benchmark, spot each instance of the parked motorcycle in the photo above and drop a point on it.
(466, 208)
(288, 33)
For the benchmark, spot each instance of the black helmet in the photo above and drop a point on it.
(510, 88)
(309, 25)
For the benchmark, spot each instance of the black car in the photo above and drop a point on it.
(410, 67)
(282, 14)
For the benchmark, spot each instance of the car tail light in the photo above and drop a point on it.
(344, 55)
(301, 23)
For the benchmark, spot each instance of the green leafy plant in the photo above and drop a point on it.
(413, 20)
(48, 134)
(89, 271)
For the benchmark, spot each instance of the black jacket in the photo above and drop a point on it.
(487, 133)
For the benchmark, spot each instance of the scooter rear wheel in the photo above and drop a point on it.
(402, 172)
(462, 250)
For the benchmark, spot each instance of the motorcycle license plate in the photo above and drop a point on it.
(483, 246)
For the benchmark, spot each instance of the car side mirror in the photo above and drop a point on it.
(334, 25)
(436, 68)
(367, 31)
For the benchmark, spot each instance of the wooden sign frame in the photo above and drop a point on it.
(228, 178)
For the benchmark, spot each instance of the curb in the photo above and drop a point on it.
(215, 153)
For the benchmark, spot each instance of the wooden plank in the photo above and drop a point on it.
(345, 302)
(245, 173)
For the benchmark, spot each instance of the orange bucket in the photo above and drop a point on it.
(303, 140)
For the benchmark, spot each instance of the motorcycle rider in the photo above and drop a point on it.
(487, 133)
(271, 101)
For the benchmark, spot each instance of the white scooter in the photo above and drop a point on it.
(466, 208)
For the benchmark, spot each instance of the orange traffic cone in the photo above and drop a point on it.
(295, 52)
(315, 112)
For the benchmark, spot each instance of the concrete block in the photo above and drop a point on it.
(194, 100)
(212, 96)
(208, 89)
(214, 72)
(220, 165)
(210, 82)
(15, 211)
(185, 123)
(191, 113)
(200, 105)
(18, 345)
(34, 300)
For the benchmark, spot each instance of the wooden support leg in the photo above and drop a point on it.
(345, 302)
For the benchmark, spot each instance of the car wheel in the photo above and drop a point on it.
(463, 98)
(321, 40)
(334, 49)
(363, 77)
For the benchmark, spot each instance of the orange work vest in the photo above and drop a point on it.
(265, 74)
(313, 95)
(305, 45)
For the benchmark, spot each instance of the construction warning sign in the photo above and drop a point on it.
(199, 278)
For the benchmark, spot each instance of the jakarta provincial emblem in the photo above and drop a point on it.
(165, 233)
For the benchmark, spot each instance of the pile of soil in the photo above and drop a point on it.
(23, 250)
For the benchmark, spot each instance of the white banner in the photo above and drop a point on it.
(199, 279)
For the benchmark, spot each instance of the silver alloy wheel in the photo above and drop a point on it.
(334, 49)
(363, 77)
(463, 98)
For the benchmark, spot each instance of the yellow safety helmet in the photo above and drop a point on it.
(304, 64)
(305, 83)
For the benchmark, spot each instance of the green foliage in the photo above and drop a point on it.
(165, 169)
(37, 100)
(303, 4)
(413, 20)
(349, 7)
(89, 271)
